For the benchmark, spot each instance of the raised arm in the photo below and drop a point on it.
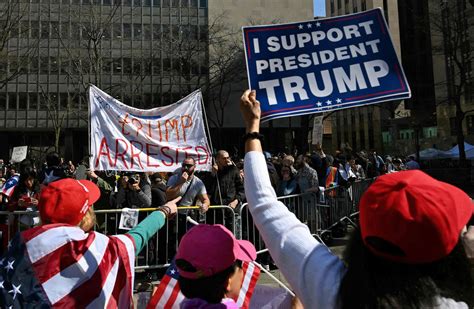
(151, 224)
(310, 268)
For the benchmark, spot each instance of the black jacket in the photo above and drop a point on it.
(231, 185)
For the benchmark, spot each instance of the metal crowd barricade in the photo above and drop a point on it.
(160, 249)
(304, 206)
(321, 212)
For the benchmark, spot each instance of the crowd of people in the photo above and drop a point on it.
(412, 248)
(222, 186)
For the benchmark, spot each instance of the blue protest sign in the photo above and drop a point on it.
(323, 65)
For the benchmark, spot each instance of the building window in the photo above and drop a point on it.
(363, 5)
(127, 31)
(385, 10)
(3, 101)
(346, 6)
(44, 30)
(354, 6)
(386, 137)
(470, 124)
(339, 4)
(137, 32)
(203, 3)
(332, 7)
(33, 104)
(429, 132)
(12, 101)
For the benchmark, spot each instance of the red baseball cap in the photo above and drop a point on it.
(67, 200)
(212, 249)
(410, 217)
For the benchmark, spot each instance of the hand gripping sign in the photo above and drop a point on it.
(129, 139)
(323, 65)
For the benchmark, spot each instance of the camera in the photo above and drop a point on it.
(134, 179)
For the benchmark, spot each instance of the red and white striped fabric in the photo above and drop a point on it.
(252, 273)
(168, 294)
(78, 269)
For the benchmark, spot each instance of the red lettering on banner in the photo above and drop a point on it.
(206, 154)
(124, 122)
(166, 155)
(149, 154)
(149, 130)
(120, 154)
(188, 124)
(173, 123)
(103, 143)
(137, 155)
(186, 153)
(138, 127)
(176, 151)
(159, 129)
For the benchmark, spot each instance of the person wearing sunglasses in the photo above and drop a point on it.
(192, 191)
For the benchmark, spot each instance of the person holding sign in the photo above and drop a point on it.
(407, 252)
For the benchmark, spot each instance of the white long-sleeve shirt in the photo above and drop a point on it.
(311, 269)
(313, 272)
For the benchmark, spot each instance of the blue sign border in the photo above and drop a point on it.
(324, 104)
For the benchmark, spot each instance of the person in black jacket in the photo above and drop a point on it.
(229, 190)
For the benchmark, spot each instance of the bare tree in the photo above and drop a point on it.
(82, 58)
(11, 15)
(450, 24)
(210, 58)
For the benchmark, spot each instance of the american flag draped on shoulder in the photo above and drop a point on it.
(10, 185)
(169, 296)
(62, 266)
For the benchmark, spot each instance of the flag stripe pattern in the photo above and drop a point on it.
(251, 274)
(169, 296)
(10, 185)
(73, 269)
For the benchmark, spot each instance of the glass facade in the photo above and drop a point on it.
(146, 53)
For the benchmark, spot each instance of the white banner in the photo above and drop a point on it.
(318, 130)
(159, 139)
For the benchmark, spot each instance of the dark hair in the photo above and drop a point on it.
(156, 177)
(53, 159)
(374, 282)
(21, 187)
(211, 289)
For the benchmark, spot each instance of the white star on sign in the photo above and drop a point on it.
(318, 24)
(309, 25)
(1, 261)
(10, 265)
(328, 102)
(319, 104)
(1, 284)
(15, 291)
(172, 271)
(338, 100)
(300, 26)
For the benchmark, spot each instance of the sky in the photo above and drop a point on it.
(319, 8)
